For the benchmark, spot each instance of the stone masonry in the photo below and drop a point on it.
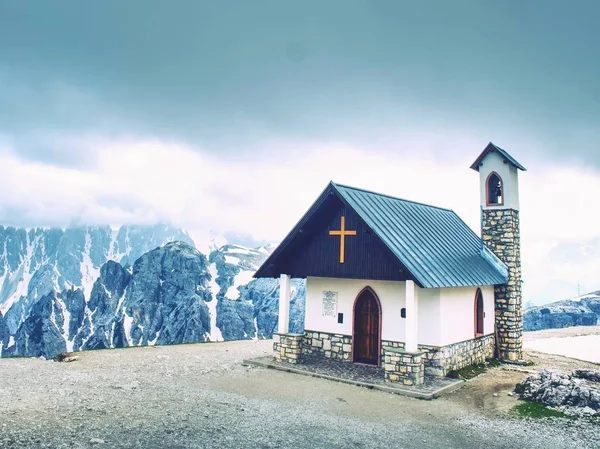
(438, 361)
(404, 367)
(331, 346)
(287, 347)
(501, 234)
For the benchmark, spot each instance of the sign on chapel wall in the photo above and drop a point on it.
(330, 300)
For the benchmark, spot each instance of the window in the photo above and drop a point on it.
(494, 190)
(479, 314)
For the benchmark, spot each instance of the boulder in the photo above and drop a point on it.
(568, 393)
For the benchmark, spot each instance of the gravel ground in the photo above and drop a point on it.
(201, 396)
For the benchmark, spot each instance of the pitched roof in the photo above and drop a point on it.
(492, 147)
(434, 244)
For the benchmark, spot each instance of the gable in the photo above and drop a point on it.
(315, 252)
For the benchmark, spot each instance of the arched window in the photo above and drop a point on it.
(479, 315)
(495, 190)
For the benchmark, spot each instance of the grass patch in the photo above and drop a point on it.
(471, 371)
(529, 409)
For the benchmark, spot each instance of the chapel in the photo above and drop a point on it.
(405, 286)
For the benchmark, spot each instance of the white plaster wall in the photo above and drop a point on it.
(391, 296)
(493, 162)
(430, 316)
(458, 313)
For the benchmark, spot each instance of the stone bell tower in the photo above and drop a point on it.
(499, 190)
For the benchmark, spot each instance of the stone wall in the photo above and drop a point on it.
(439, 361)
(331, 346)
(501, 234)
(389, 345)
(287, 347)
(404, 367)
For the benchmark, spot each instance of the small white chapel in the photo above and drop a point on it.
(405, 286)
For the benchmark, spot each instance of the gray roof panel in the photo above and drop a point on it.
(434, 244)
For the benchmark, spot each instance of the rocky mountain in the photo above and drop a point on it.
(92, 288)
(580, 311)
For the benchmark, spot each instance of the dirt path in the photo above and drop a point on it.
(201, 396)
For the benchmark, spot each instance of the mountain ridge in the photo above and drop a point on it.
(94, 287)
(582, 310)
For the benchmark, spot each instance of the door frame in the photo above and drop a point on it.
(369, 289)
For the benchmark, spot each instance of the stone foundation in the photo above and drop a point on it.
(439, 361)
(500, 233)
(387, 345)
(287, 347)
(404, 367)
(331, 346)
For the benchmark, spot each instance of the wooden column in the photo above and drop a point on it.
(284, 304)
(410, 322)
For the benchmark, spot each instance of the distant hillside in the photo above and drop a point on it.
(581, 311)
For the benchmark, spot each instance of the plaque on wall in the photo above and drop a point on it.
(330, 303)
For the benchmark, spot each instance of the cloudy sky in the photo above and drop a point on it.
(233, 116)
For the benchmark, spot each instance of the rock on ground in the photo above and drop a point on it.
(577, 394)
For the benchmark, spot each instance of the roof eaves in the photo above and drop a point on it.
(491, 146)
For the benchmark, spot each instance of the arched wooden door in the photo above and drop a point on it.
(367, 328)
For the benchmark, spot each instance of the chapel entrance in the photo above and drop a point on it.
(367, 327)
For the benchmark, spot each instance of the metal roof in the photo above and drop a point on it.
(434, 244)
(493, 147)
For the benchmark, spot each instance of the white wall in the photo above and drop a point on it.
(430, 316)
(458, 313)
(391, 296)
(445, 316)
(493, 162)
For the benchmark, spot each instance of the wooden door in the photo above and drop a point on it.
(366, 328)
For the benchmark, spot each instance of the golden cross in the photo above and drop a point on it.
(342, 233)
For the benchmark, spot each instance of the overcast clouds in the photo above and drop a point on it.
(214, 116)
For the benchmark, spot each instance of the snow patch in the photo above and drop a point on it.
(153, 342)
(66, 320)
(127, 322)
(21, 277)
(89, 272)
(215, 332)
(242, 278)
(238, 250)
(112, 253)
(232, 260)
